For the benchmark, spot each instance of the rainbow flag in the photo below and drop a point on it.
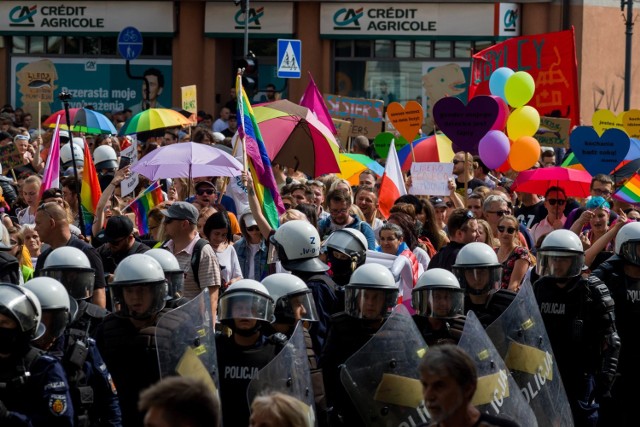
(630, 191)
(258, 161)
(51, 174)
(571, 162)
(90, 191)
(146, 201)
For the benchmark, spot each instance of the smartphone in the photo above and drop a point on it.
(124, 162)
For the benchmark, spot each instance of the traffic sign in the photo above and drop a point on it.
(289, 59)
(130, 43)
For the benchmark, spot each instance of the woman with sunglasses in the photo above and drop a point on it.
(515, 259)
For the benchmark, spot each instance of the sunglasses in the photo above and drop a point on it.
(253, 228)
(560, 202)
(499, 213)
(316, 183)
(449, 204)
(287, 205)
(208, 192)
(510, 230)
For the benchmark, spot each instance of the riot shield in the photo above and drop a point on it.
(521, 340)
(186, 343)
(382, 378)
(287, 373)
(497, 392)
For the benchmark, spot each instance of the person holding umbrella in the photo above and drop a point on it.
(554, 200)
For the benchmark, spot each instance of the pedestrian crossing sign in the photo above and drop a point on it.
(289, 59)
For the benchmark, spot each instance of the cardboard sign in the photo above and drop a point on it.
(37, 81)
(190, 101)
(344, 128)
(128, 185)
(553, 132)
(606, 119)
(10, 157)
(430, 178)
(407, 120)
(631, 123)
(366, 115)
(599, 154)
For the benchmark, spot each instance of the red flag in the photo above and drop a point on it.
(392, 183)
(313, 100)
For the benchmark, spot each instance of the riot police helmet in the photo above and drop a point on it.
(346, 251)
(477, 269)
(245, 299)
(372, 293)
(71, 267)
(78, 153)
(105, 157)
(628, 243)
(139, 288)
(297, 244)
(55, 304)
(172, 271)
(438, 294)
(561, 255)
(21, 306)
(293, 298)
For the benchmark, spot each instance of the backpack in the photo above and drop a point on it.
(195, 257)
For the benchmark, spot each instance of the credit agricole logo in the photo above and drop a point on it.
(347, 19)
(22, 16)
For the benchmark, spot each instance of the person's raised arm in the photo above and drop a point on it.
(254, 205)
(601, 244)
(98, 220)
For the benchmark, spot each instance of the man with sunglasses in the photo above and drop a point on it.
(464, 175)
(120, 243)
(463, 229)
(554, 200)
(205, 194)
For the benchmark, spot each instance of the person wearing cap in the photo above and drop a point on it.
(120, 243)
(205, 193)
(52, 224)
(440, 206)
(463, 229)
(251, 249)
(180, 226)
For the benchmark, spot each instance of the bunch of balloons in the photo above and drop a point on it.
(519, 150)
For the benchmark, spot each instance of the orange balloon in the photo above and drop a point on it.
(524, 153)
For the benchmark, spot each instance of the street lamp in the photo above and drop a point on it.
(627, 51)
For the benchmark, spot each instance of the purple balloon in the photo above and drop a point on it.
(494, 149)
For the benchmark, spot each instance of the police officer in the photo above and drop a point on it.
(578, 314)
(126, 337)
(621, 274)
(346, 251)
(370, 297)
(174, 275)
(437, 299)
(246, 308)
(33, 387)
(480, 275)
(94, 396)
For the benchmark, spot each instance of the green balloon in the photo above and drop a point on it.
(519, 89)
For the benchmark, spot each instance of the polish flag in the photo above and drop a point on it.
(392, 183)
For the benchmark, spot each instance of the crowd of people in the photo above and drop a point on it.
(81, 336)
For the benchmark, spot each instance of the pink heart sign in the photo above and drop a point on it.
(465, 125)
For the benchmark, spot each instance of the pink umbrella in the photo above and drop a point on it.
(575, 183)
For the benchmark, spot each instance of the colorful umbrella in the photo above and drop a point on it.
(575, 183)
(434, 148)
(187, 160)
(82, 120)
(153, 118)
(294, 137)
(352, 165)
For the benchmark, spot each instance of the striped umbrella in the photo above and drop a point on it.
(153, 118)
(352, 165)
(434, 148)
(82, 120)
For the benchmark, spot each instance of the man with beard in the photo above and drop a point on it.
(339, 204)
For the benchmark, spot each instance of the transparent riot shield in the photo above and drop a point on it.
(382, 378)
(287, 373)
(186, 342)
(521, 339)
(497, 392)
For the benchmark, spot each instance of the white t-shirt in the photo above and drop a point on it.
(229, 260)
(253, 249)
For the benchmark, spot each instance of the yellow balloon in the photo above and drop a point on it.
(523, 121)
(519, 89)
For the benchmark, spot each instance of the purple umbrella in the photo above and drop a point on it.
(187, 160)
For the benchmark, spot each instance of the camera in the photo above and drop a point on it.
(64, 96)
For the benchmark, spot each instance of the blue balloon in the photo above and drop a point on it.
(498, 81)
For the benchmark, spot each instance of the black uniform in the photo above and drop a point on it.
(579, 319)
(446, 257)
(496, 305)
(434, 336)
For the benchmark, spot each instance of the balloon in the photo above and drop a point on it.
(505, 167)
(494, 149)
(503, 114)
(525, 152)
(519, 89)
(523, 121)
(498, 81)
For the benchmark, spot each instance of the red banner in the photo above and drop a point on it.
(549, 58)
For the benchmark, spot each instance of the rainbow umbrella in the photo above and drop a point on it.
(82, 120)
(153, 118)
(434, 148)
(352, 165)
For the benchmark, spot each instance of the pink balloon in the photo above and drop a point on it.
(503, 114)
(494, 149)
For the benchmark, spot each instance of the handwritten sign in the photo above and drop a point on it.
(344, 129)
(190, 101)
(430, 178)
(10, 157)
(407, 120)
(553, 132)
(366, 115)
(631, 123)
(599, 154)
(128, 185)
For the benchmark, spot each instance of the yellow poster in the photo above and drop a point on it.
(190, 101)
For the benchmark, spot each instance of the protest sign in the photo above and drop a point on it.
(366, 115)
(430, 178)
(190, 101)
(553, 132)
(407, 120)
(599, 153)
(344, 129)
(10, 157)
(128, 185)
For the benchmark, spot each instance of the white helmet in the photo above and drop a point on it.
(21, 305)
(346, 251)
(78, 153)
(438, 294)
(372, 292)
(561, 255)
(54, 299)
(105, 157)
(627, 243)
(139, 270)
(293, 298)
(71, 267)
(172, 271)
(298, 246)
(245, 299)
(477, 268)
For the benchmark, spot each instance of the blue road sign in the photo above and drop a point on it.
(289, 59)
(130, 43)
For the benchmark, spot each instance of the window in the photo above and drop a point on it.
(85, 46)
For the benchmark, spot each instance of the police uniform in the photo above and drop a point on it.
(325, 294)
(35, 392)
(434, 336)
(488, 312)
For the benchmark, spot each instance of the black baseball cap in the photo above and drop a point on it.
(118, 227)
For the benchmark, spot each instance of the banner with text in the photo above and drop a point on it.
(430, 178)
(366, 115)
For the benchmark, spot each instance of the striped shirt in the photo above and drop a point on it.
(208, 271)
